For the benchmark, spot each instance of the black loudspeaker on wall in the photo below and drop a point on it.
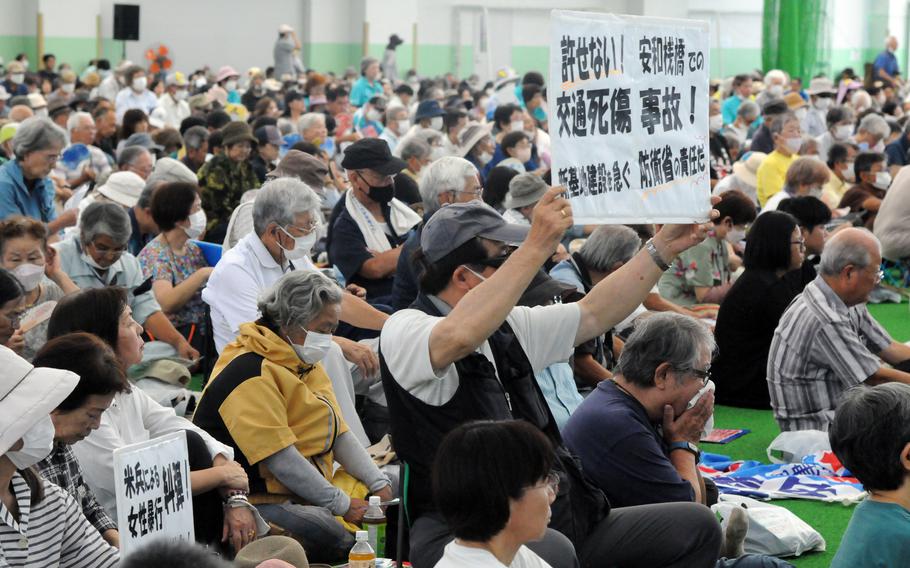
(126, 22)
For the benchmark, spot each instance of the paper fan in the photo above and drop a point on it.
(159, 58)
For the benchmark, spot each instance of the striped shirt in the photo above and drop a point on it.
(52, 534)
(820, 349)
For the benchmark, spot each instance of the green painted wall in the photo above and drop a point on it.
(530, 58)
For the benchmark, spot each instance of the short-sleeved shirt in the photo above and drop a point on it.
(125, 273)
(159, 262)
(622, 452)
(546, 334)
(772, 174)
(705, 265)
(820, 349)
(729, 109)
(887, 62)
(35, 200)
(363, 91)
(877, 537)
(36, 337)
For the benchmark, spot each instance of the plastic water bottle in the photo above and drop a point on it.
(362, 554)
(374, 522)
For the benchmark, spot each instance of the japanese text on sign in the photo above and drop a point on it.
(153, 491)
(629, 116)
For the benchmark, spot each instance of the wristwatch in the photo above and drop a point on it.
(655, 256)
(688, 447)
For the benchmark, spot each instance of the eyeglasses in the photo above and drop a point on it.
(879, 276)
(552, 482)
(704, 375)
(494, 262)
(311, 226)
(107, 251)
(801, 243)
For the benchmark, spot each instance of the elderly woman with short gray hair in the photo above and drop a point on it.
(98, 257)
(271, 400)
(25, 188)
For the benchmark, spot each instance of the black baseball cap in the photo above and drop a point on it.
(372, 154)
(456, 224)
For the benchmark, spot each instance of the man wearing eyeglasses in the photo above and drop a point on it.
(827, 342)
(636, 438)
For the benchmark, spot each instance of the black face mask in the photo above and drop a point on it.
(380, 193)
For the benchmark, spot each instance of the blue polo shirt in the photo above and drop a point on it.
(886, 61)
(363, 91)
(17, 199)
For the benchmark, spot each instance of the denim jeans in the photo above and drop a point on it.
(323, 537)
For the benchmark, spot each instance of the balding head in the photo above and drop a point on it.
(850, 264)
(20, 112)
(891, 43)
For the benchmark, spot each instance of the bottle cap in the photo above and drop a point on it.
(362, 535)
(375, 500)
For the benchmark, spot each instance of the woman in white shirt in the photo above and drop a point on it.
(493, 484)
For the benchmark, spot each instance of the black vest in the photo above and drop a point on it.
(418, 428)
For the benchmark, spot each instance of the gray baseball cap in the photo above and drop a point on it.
(456, 224)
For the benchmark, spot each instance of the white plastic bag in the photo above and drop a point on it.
(773, 530)
(794, 446)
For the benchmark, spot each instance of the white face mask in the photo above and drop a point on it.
(68, 87)
(882, 180)
(25, 64)
(776, 90)
(436, 123)
(314, 347)
(17, 78)
(200, 82)
(37, 444)
(87, 258)
(516, 126)
(816, 192)
(523, 155)
(801, 113)
(709, 425)
(139, 84)
(438, 152)
(849, 174)
(843, 131)
(29, 275)
(793, 144)
(374, 115)
(485, 157)
(822, 103)
(715, 123)
(735, 236)
(302, 245)
(181, 94)
(198, 221)
(403, 126)
(230, 84)
(880, 147)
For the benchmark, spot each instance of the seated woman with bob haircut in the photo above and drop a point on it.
(492, 483)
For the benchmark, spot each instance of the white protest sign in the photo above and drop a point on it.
(628, 117)
(152, 481)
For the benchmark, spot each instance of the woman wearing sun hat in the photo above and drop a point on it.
(40, 524)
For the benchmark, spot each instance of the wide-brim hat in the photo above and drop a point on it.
(471, 134)
(794, 101)
(272, 548)
(821, 86)
(28, 394)
(524, 189)
(308, 169)
(428, 109)
(226, 72)
(747, 170)
(123, 188)
(235, 132)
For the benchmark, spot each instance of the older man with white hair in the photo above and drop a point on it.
(885, 67)
(81, 161)
(827, 342)
(445, 181)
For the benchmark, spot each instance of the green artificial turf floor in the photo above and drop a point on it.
(827, 518)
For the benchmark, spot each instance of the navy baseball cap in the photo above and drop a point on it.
(456, 224)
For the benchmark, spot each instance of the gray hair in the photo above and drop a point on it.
(105, 218)
(366, 62)
(393, 111)
(664, 337)
(747, 109)
(298, 298)
(415, 147)
(130, 154)
(309, 120)
(842, 250)
(36, 134)
(445, 174)
(72, 123)
(280, 200)
(145, 198)
(874, 125)
(781, 121)
(609, 244)
(429, 135)
(195, 137)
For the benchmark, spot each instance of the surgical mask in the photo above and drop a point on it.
(776, 90)
(540, 114)
(139, 84)
(880, 147)
(437, 152)
(715, 123)
(302, 245)
(801, 113)
(231, 85)
(882, 180)
(436, 123)
(87, 258)
(793, 144)
(523, 155)
(374, 115)
(29, 275)
(485, 157)
(735, 236)
(816, 192)
(181, 94)
(37, 444)
(200, 82)
(68, 87)
(25, 64)
(403, 127)
(843, 131)
(104, 74)
(17, 78)
(822, 103)
(516, 125)
(314, 347)
(709, 425)
(849, 174)
(198, 221)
